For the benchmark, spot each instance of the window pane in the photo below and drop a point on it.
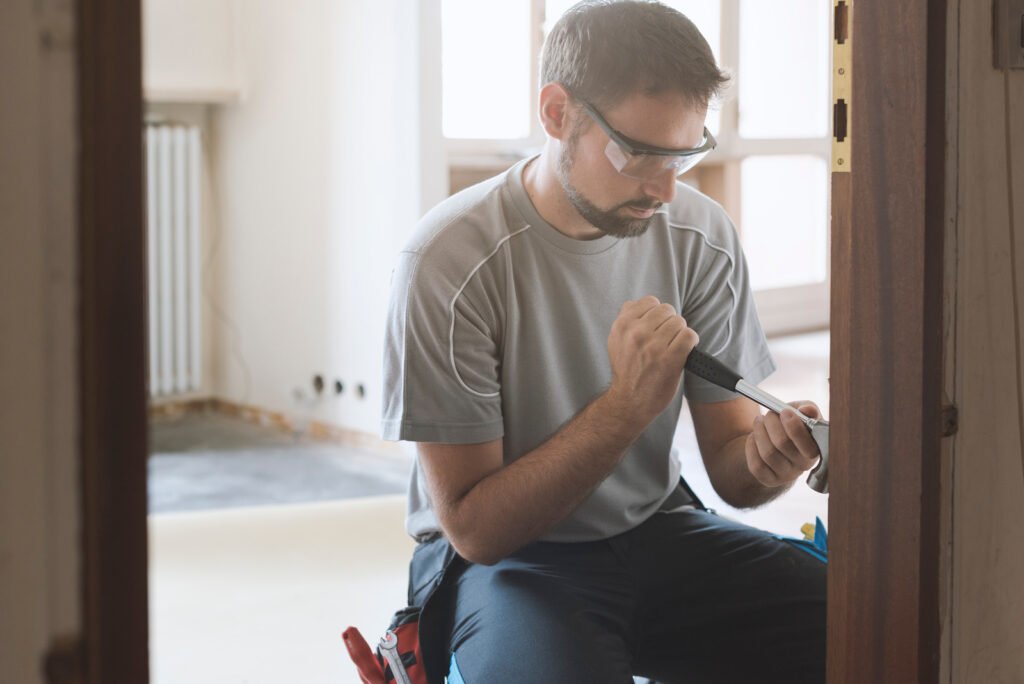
(784, 69)
(706, 14)
(784, 220)
(485, 62)
(553, 9)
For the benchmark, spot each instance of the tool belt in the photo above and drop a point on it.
(413, 649)
(397, 658)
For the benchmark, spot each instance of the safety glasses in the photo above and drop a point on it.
(646, 162)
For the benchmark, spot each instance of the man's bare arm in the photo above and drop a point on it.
(488, 510)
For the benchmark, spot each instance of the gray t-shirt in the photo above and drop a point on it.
(498, 328)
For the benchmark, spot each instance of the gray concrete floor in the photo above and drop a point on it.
(205, 461)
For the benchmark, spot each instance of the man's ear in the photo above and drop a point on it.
(556, 111)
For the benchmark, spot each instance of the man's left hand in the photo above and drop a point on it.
(780, 447)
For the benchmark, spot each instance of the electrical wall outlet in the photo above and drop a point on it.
(1008, 33)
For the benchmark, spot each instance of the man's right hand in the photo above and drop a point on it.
(648, 347)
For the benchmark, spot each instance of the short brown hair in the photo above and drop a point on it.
(605, 50)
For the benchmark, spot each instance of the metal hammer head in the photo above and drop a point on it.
(818, 479)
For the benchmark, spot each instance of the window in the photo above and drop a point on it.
(770, 170)
(487, 61)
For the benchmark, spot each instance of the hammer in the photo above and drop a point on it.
(714, 371)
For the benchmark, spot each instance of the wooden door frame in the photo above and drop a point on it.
(886, 364)
(112, 342)
(886, 357)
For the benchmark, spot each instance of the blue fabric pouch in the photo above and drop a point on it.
(816, 545)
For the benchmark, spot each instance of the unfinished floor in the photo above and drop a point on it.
(265, 546)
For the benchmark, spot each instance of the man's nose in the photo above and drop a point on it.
(662, 187)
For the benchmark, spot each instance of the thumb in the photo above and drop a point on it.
(808, 408)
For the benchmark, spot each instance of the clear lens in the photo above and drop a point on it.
(649, 166)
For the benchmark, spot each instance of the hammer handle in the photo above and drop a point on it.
(711, 369)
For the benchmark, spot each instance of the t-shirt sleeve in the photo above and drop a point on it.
(441, 357)
(720, 307)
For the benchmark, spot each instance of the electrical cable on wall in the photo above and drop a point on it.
(222, 316)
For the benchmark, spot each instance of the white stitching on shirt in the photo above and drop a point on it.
(451, 313)
(728, 281)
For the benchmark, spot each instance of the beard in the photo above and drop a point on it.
(607, 221)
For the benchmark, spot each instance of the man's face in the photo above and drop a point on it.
(608, 200)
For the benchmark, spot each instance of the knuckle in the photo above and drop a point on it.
(792, 434)
(777, 462)
(780, 442)
(763, 473)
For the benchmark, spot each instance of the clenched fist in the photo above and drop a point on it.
(648, 347)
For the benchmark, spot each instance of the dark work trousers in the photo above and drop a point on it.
(684, 597)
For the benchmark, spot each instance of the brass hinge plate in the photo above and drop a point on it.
(842, 59)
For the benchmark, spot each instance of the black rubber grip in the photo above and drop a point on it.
(712, 370)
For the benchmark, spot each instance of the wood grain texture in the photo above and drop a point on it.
(949, 297)
(112, 395)
(988, 483)
(887, 234)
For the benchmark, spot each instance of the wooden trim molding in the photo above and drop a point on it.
(886, 374)
(112, 397)
(279, 420)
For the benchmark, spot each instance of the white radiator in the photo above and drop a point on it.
(172, 192)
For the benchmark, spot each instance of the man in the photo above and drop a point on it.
(538, 329)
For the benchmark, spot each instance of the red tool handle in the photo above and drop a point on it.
(370, 671)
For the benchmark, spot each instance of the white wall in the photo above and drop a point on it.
(317, 170)
(39, 500)
(189, 52)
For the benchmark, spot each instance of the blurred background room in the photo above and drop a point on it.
(291, 149)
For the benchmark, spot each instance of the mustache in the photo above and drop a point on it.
(640, 204)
